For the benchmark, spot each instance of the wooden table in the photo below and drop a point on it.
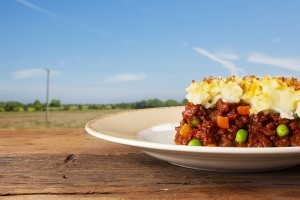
(70, 164)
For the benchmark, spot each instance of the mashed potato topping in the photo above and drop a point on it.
(266, 94)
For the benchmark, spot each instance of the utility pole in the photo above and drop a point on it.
(47, 94)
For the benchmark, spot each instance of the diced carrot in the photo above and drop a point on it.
(243, 110)
(185, 130)
(222, 122)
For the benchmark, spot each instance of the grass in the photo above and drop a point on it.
(57, 119)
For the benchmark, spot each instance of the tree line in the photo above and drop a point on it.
(55, 104)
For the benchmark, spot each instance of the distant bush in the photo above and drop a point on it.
(12, 106)
(67, 107)
(38, 106)
(55, 105)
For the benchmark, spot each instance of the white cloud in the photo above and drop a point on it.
(276, 40)
(287, 63)
(29, 73)
(107, 34)
(89, 28)
(225, 63)
(126, 41)
(96, 30)
(228, 56)
(185, 44)
(125, 78)
(37, 8)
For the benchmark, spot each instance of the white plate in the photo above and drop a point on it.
(152, 131)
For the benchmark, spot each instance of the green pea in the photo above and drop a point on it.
(241, 136)
(195, 142)
(194, 123)
(282, 130)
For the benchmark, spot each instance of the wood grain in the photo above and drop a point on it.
(55, 141)
(101, 170)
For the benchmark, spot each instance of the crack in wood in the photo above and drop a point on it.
(53, 193)
(70, 158)
(175, 183)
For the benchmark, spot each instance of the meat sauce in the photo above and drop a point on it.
(261, 127)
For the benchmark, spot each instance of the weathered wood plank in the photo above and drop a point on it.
(70, 164)
(131, 174)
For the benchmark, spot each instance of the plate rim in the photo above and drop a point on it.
(181, 148)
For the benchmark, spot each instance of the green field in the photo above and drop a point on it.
(57, 119)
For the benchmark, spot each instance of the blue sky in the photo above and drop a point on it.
(113, 51)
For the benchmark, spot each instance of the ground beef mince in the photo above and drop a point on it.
(203, 124)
